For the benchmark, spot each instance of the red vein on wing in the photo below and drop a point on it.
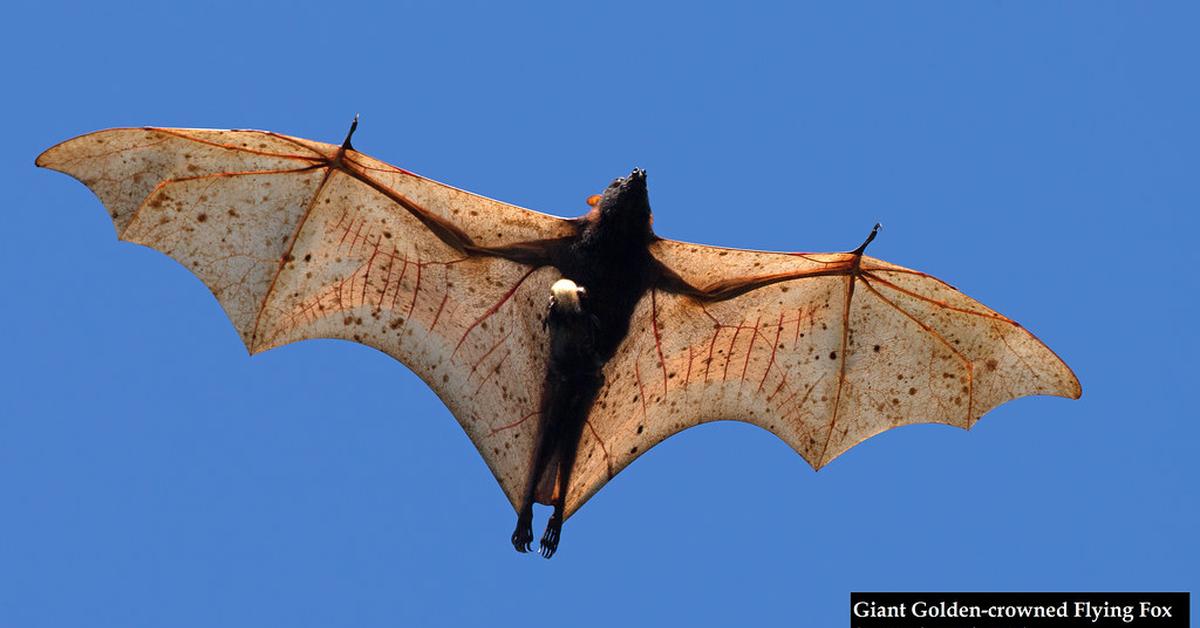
(489, 352)
(906, 271)
(1004, 339)
(804, 399)
(783, 381)
(445, 297)
(492, 310)
(216, 175)
(387, 276)
(729, 351)
(941, 304)
(497, 430)
(750, 349)
(357, 233)
(968, 366)
(662, 362)
(492, 371)
(711, 345)
(288, 253)
(730, 288)
(294, 142)
(389, 168)
(637, 373)
(837, 397)
(808, 256)
(416, 289)
(399, 282)
(687, 378)
(345, 234)
(603, 448)
(774, 346)
(52, 162)
(239, 149)
(367, 273)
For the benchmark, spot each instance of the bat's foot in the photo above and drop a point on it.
(522, 537)
(550, 538)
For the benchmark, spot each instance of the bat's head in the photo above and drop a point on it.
(568, 295)
(625, 205)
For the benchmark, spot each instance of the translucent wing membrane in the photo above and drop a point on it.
(299, 240)
(822, 353)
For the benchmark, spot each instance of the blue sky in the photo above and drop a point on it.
(1041, 157)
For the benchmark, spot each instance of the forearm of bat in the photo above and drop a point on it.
(534, 253)
(724, 289)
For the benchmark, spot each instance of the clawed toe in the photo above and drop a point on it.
(522, 537)
(549, 544)
(550, 538)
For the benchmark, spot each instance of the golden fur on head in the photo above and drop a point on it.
(566, 294)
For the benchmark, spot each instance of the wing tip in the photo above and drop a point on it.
(1070, 387)
(1076, 390)
(45, 159)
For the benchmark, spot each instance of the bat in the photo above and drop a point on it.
(564, 347)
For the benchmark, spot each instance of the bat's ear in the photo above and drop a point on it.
(594, 200)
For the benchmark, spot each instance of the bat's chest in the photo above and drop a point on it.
(616, 274)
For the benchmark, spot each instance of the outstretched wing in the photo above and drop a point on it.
(300, 239)
(825, 351)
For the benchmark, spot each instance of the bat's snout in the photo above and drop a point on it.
(635, 179)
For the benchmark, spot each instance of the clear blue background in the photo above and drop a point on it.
(1041, 156)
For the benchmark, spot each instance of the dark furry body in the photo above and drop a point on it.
(609, 257)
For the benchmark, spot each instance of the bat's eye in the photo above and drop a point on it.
(593, 200)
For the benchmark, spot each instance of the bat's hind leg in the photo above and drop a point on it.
(567, 451)
(522, 536)
(552, 534)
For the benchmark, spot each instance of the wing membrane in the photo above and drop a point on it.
(819, 351)
(298, 239)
